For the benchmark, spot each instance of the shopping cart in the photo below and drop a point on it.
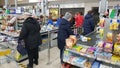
(6, 58)
(7, 52)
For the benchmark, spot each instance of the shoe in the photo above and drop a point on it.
(36, 62)
(28, 66)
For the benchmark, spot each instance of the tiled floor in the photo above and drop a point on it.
(43, 59)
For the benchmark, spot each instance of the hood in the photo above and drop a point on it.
(88, 16)
(30, 20)
(64, 21)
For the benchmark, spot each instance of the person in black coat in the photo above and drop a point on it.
(88, 24)
(64, 32)
(30, 33)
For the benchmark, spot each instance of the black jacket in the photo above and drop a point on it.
(88, 24)
(63, 33)
(30, 33)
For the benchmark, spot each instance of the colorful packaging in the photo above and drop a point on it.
(109, 37)
(108, 47)
(96, 64)
(91, 50)
(116, 50)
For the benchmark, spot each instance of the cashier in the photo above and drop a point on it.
(64, 32)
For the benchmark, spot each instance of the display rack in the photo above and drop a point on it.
(95, 38)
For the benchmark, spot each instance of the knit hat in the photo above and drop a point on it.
(67, 15)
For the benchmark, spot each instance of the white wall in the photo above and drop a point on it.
(88, 6)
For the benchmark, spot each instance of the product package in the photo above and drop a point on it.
(95, 64)
(108, 47)
(116, 50)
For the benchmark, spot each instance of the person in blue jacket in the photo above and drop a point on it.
(64, 32)
(58, 21)
(50, 21)
(88, 24)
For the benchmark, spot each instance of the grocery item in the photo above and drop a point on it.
(100, 46)
(114, 25)
(84, 39)
(116, 49)
(101, 22)
(83, 50)
(115, 59)
(95, 64)
(109, 37)
(73, 37)
(87, 65)
(91, 50)
(77, 48)
(108, 47)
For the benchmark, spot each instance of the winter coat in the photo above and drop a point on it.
(88, 24)
(30, 33)
(50, 22)
(79, 20)
(64, 32)
(58, 22)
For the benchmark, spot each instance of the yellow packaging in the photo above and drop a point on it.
(117, 49)
(115, 58)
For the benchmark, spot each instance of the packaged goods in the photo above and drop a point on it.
(71, 41)
(77, 48)
(101, 22)
(91, 50)
(95, 64)
(87, 65)
(109, 37)
(114, 25)
(108, 47)
(83, 50)
(115, 59)
(116, 50)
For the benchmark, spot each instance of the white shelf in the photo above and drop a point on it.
(94, 57)
(82, 54)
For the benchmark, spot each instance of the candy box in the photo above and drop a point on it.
(108, 47)
(116, 50)
(91, 50)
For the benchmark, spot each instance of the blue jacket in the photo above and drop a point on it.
(50, 22)
(58, 22)
(88, 24)
(63, 33)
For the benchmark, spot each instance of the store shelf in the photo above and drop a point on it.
(108, 61)
(82, 54)
(81, 66)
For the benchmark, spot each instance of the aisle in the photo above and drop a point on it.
(43, 59)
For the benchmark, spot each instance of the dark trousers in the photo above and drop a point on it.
(61, 55)
(32, 56)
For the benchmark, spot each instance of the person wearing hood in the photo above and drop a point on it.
(30, 34)
(64, 32)
(88, 24)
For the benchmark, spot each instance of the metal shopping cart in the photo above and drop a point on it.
(7, 52)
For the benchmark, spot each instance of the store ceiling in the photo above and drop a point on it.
(75, 1)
